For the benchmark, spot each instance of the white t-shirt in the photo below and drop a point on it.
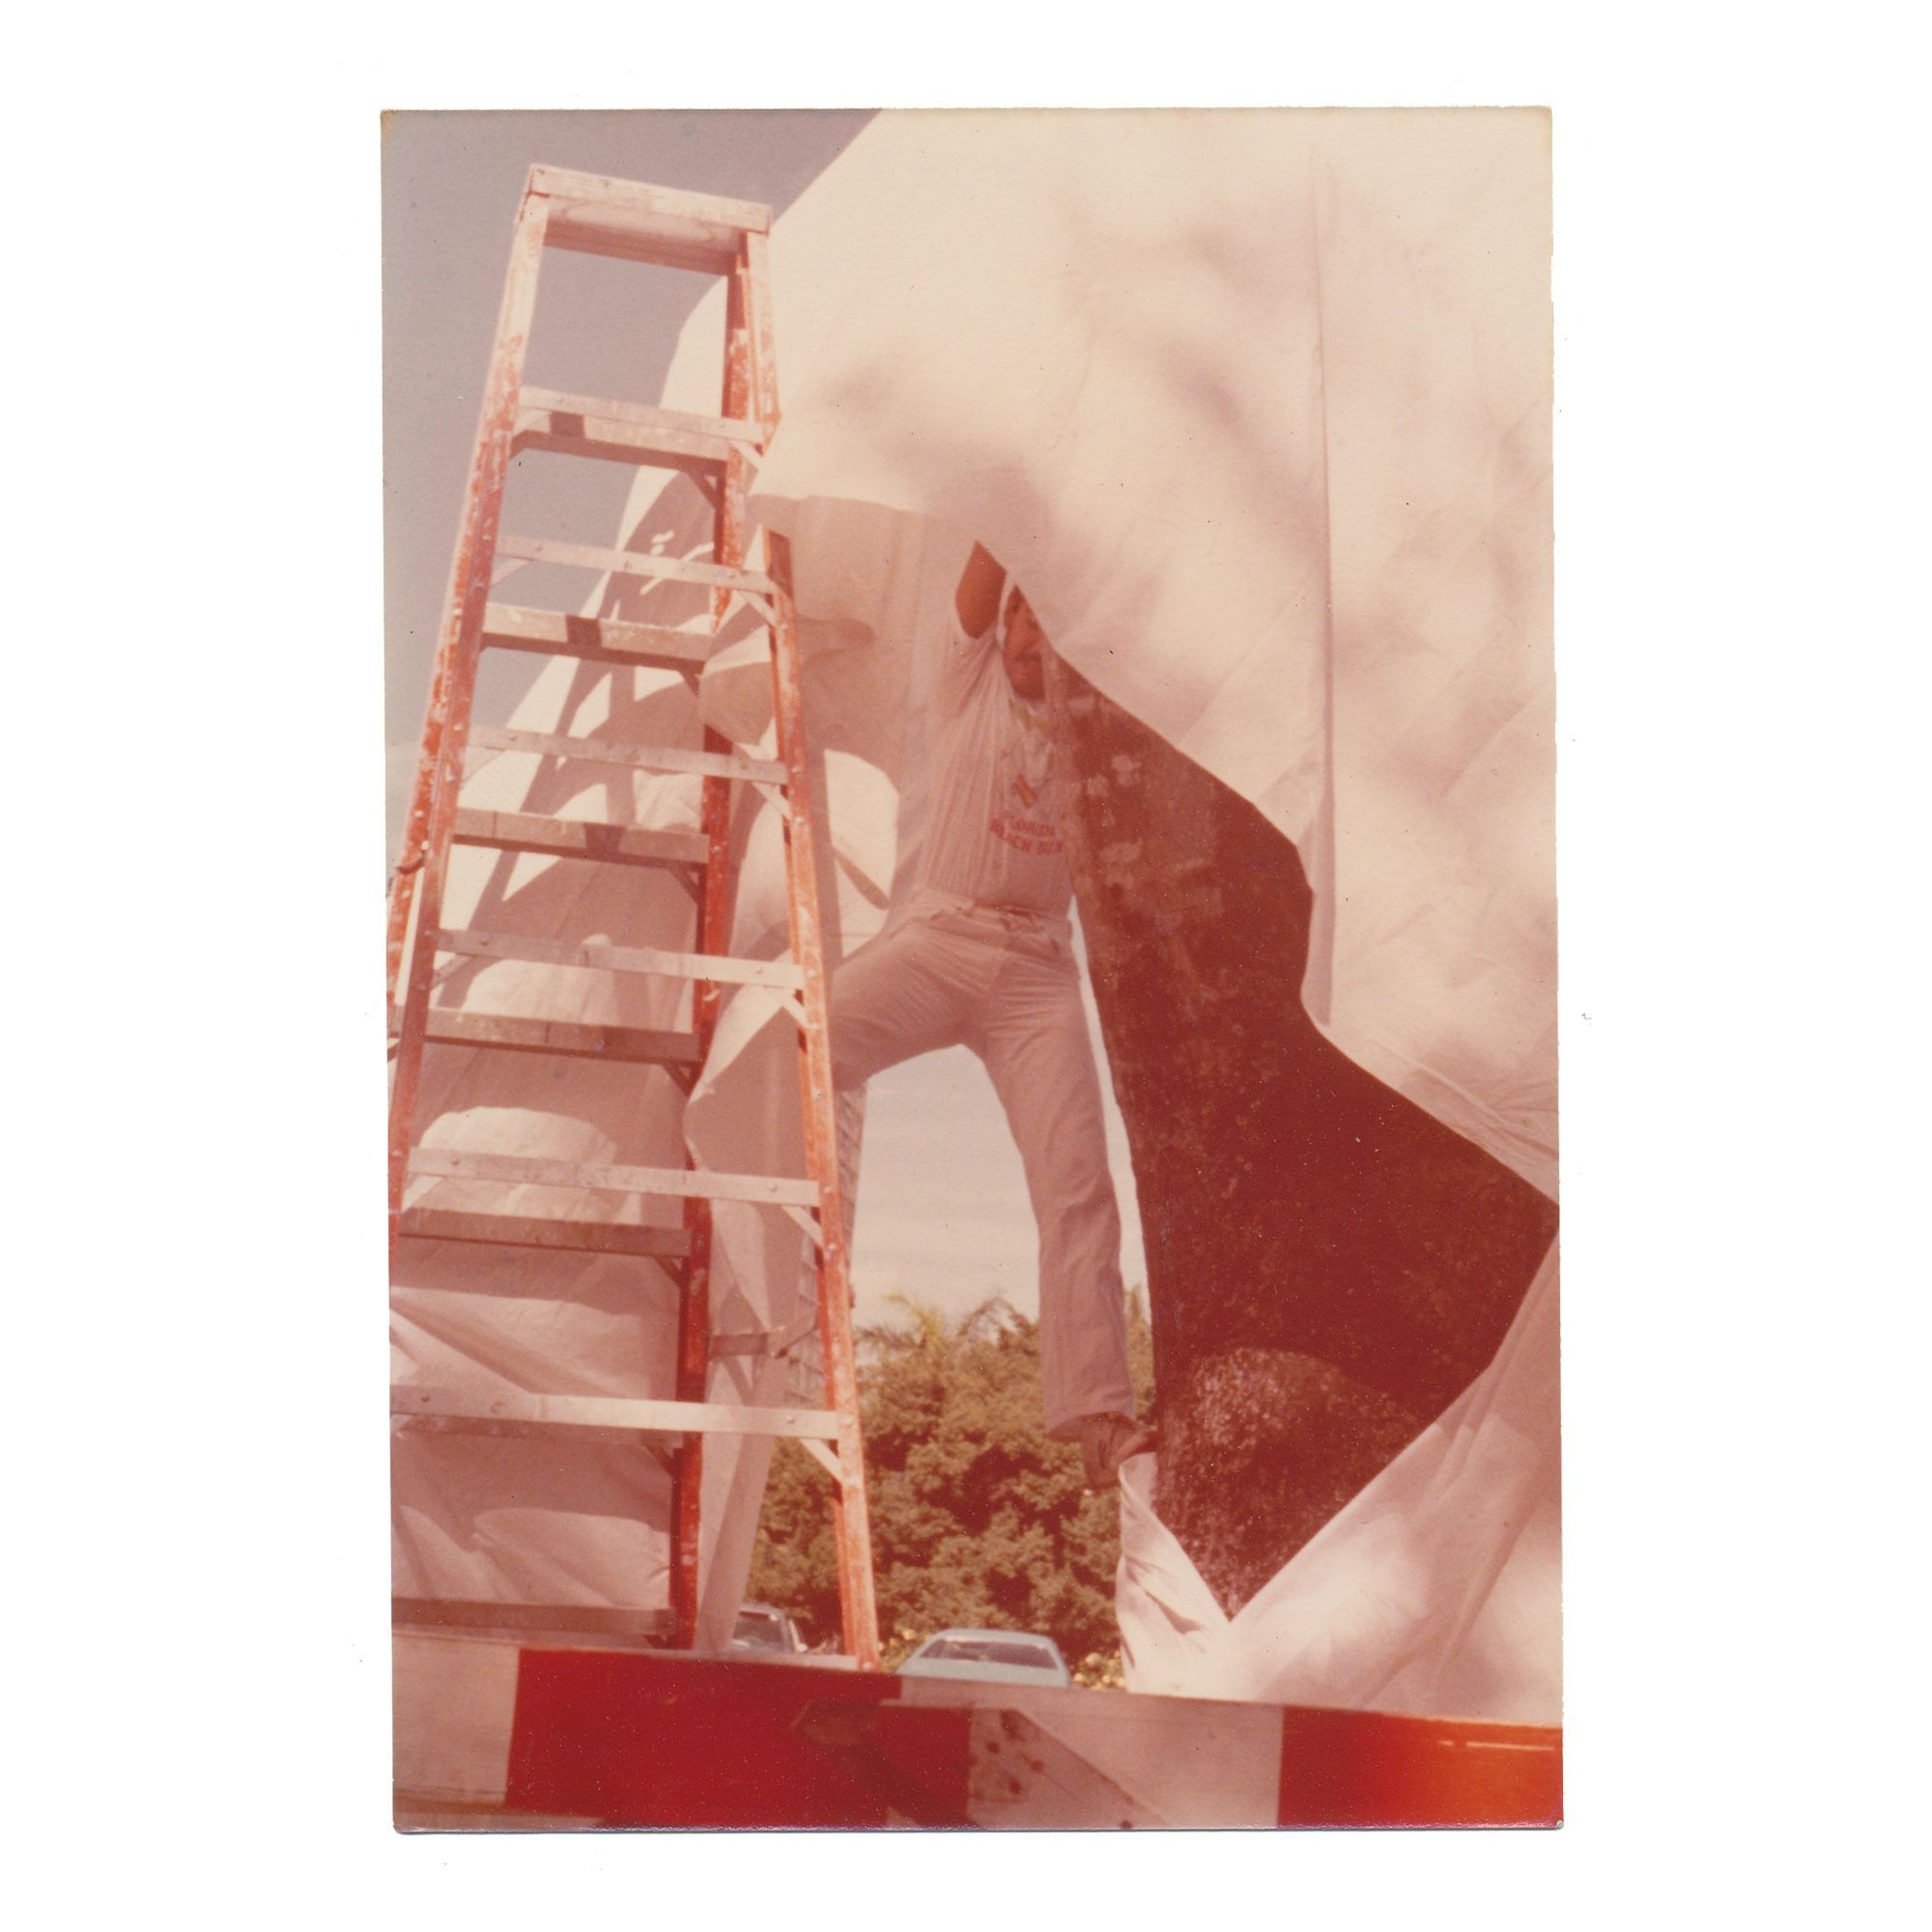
(994, 831)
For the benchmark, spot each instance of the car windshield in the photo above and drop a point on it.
(759, 1630)
(989, 1650)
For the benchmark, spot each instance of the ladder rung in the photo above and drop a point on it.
(519, 1231)
(581, 838)
(515, 1413)
(523, 1171)
(502, 1033)
(599, 216)
(556, 634)
(764, 1341)
(611, 439)
(644, 415)
(634, 563)
(561, 1619)
(721, 969)
(646, 757)
(609, 191)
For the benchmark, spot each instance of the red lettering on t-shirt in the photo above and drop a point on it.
(1024, 836)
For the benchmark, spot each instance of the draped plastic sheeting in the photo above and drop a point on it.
(549, 1521)
(1256, 406)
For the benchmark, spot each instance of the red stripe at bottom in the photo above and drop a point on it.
(630, 1738)
(1360, 1768)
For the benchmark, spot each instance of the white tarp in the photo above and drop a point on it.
(1256, 406)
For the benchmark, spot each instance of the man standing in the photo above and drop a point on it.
(982, 957)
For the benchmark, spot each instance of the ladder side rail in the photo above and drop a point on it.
(762, 403)
(851, 1526)
(462, 563)
(714, 937)
(851, 1520)
(440, 774)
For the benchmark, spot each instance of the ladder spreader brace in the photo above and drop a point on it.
(669, 228)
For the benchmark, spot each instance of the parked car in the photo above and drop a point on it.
(990, 1657)
(765, 1628)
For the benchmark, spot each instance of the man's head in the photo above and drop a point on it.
(1021, 640)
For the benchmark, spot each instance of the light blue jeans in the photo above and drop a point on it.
(1005, 984)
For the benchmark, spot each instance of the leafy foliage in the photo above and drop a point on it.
(977, 1519)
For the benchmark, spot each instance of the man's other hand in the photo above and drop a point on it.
(1106, 1442)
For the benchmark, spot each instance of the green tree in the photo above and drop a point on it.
(977, 1519)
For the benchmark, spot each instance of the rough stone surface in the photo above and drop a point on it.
(1274, 1485)
(1328, 1266)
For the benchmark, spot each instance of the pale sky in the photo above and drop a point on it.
(943, 1210)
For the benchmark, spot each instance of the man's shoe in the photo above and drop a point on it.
(1106, 1442)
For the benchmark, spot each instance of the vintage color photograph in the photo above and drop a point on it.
(972, 955)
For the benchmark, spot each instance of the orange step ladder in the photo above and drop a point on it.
(667, 228)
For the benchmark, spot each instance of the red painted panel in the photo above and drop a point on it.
(1359, 1768)
(917, 1757)
(643, 1740)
